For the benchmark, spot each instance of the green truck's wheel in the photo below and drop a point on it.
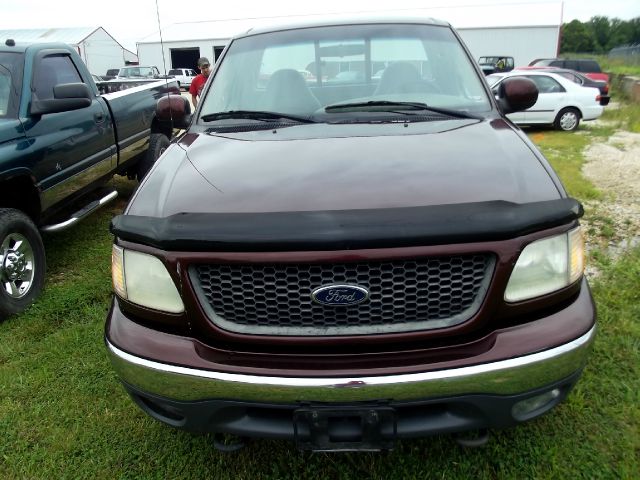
(22, 262)
(158, 143)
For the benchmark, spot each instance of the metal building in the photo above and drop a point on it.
(525, 31)
(99, 50)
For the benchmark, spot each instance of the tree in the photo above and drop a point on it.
(576, 37)
(601, 32)
(621, 33)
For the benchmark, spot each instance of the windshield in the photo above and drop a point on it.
(300, 72)
(10, 78)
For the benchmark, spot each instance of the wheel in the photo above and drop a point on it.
(158, 143)
(22, 262)
(568, 119)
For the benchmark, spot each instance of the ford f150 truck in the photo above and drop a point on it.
(59, 141)
(348, 263)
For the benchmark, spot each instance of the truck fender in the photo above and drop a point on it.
(18, 190)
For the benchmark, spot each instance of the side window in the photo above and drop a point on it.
(557, 63)
(570, 76)
(588, 66)
(572, 65)
(547, 84)
(51, 71)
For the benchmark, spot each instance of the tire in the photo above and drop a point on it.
(22, 262)
(158, 143)
(567, 120)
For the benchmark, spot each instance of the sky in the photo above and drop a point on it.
(129, 21)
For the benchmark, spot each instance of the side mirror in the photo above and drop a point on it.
(516, 94)
(66, 97)
(175, 109)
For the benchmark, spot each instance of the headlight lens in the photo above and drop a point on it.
(144, 280)
(547, 265)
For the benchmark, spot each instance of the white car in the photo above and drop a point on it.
(183, 76)
(561, 102)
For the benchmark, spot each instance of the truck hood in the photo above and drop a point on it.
(346, 167)
(10, 129)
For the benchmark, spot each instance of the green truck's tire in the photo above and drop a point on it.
(22, 262)
(158, 143)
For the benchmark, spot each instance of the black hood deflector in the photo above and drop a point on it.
(345, 229)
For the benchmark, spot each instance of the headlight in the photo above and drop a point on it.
(144, 280)
(547, 265)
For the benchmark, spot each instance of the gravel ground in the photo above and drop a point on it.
(614, 168)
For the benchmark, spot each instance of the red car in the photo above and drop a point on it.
(589, 68)
(580, 79)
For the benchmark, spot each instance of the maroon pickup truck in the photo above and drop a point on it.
(347, 259)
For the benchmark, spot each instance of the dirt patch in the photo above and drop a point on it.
(614, 168)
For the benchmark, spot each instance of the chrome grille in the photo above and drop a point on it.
(407, 295)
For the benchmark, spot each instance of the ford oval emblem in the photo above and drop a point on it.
(340, 295)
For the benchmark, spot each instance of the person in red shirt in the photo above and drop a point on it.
(199, 80)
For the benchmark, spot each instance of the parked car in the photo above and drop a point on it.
(183, 76)
(580, 79)
(495, 64)
(344, 265)
(561, 102)
(590, 68)
(60, 144)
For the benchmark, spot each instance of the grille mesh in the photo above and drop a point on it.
(404, 295)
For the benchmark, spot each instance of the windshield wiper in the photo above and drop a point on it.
(254, 115)
(387, 105)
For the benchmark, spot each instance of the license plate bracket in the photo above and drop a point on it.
(345, 429)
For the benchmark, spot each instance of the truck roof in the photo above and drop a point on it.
(21, 47)
(335, 20)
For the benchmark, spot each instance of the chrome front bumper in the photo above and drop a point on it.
(506, 377)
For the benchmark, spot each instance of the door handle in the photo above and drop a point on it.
(99, 117)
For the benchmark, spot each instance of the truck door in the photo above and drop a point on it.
(72, 149)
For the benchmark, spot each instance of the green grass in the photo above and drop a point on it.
(626, 117)
(63, 413)
(564, 152)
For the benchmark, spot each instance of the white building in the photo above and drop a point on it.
(99, 50)
(525, 31)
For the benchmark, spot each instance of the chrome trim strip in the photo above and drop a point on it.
(80, 214)
(145, 85)
(61, 190)
(503, 377)
(127, 142)
(133, 146)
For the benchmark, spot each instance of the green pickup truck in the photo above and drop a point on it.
(61, 140)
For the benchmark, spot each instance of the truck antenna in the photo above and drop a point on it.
(164, 62)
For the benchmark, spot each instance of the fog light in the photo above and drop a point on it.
(534, 406)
